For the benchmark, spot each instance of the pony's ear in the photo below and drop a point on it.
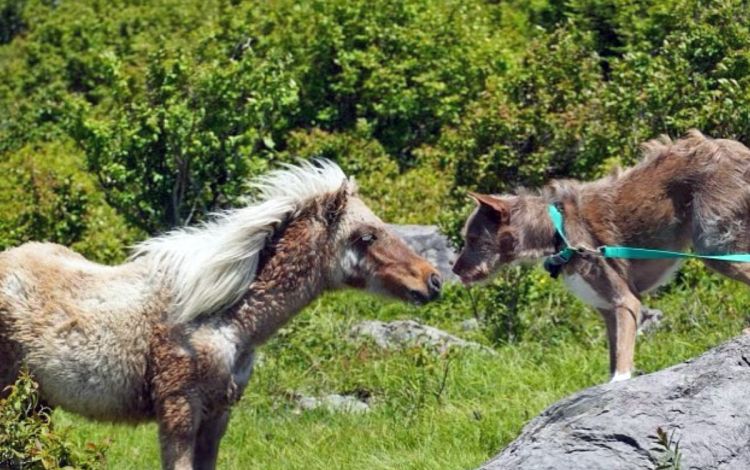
(335, 204)
(492, 203)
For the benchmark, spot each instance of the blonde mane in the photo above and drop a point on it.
(209, 267)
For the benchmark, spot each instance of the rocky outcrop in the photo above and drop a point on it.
(333, 403)
(703, 403)
(407, 333)
(430, 243)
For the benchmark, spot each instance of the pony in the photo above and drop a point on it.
(693, 192)
(169, 335)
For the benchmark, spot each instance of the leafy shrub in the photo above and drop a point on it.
(28, 439)
(412, 196)
(11, 19)
(176, 104)
(54, 208)
(186, 146)
(44, 196)
(406, 68)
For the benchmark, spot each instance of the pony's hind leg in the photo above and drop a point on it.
(10, 361)
(737, 271)
(207, 442)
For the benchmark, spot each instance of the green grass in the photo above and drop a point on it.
(430, 411)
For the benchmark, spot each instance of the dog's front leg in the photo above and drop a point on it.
(622, 325)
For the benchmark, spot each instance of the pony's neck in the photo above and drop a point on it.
(290, 276)
(536, 234)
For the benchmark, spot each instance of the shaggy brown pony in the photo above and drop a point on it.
(170, 334)
(694, 192)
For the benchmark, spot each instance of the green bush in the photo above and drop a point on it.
(176, 104)
(28, 440)
(46, 196)
(185, 147)
(11, 19)
(406, 68)
(609, 76)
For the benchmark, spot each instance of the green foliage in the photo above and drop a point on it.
(173, 115)
(11, 19)
(406, 68)
(53, 207)
(668, 448)
(175, 104)
(29, 441)
(186, 145)
(44, 196)
(397, 197)
(609, 76)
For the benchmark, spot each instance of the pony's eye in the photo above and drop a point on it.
(368, 238)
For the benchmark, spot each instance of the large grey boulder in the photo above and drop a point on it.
(704, 401)
(428, 241)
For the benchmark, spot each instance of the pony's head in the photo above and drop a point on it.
(490, 239)
(210, 267)
(368, 255)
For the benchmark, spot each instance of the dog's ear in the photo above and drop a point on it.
(493, 204)
(334, 205)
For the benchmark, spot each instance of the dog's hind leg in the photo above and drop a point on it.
(737, 271)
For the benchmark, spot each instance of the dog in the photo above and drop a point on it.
(690, 193)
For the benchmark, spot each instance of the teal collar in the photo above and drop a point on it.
(554, 263)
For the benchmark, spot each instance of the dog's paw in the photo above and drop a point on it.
(620, 377)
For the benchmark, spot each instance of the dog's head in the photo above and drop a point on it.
(490, 240)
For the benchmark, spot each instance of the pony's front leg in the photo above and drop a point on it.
(178, 418)
(177, 403)
(207, 442)
(622, 325)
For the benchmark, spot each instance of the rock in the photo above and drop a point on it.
(333, 403)
(650, 320)
(470, 324)
(704, 401)
(430, 243)
(405, 333)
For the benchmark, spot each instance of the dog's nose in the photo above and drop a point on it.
(435, 282)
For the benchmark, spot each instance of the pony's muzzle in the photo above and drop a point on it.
(434, 284)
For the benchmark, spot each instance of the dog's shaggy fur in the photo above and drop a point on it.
(693, 192)
(170, 334)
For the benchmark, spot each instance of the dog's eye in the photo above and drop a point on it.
(368, 238)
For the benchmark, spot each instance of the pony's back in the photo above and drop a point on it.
(76, 320)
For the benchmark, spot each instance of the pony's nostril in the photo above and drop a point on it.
(435, 282)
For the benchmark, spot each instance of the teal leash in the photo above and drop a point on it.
(554, 263)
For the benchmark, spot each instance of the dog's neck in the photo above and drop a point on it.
(536, 234)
